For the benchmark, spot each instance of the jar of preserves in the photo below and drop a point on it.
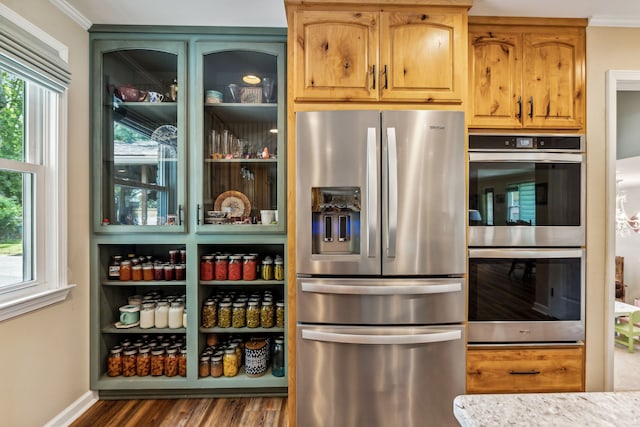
(235, 267)
(183, 256)
(169, 272)
(267, 313)
(203, 366)
(221, 267)
(253, 314)
(157, 361)
(158, 271)
(249, 266)
(114, 362)
(173, 256)
(206, 267)
(216, 368)
(143, 361)
(267, 269)
(129, 362)
(230, 363)
(256, 358)
(277, 364)
(224, 315)
(148, 315)
(147, 271)
(239, 315)
(180, 272)
(136, 272)
(209, 313)
(278, 269)
(171, 362)
(182, 362)
(114, 267)
(125, 270)
(175, 314)
(162, 314)
(280, 314)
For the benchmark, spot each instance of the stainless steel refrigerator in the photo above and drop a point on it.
(380, 263)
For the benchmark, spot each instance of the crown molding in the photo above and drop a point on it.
(72, 13)
(613, 21)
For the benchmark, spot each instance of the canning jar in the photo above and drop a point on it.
(253, 314)
(216, 369)
(203, 366)
(157, 361)
(136, 272)
(267, 313)
(280, 314)
(114, 267)
(278, 269)
(143, 361)
(114, 362)
(235, 267)
(147, 271)
(168, 272)
(182, 362)
(221, 267)
(239, 315)
(256, 358)
(162, 314)
(267, 269)
(125, 270)
(224, 315)
(129, 362)
(180, 272)
(230, 363)
(175, 314)
(158, 271)
(209, 314)
(183, 256)
(173, 256)
(249, 265)
(206, 267)
(148, 315)
(171, 362)
(277, 365)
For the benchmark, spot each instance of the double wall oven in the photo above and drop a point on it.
(526, 238)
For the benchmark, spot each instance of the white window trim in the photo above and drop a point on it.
(57, 288)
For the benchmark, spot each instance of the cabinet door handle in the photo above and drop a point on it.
(179, 214)
(519, 114)
(386, 86)
(198, 214)
(531, 107)
(373, 74)
(531, 372)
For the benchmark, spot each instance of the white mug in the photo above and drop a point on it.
(155, 97)
(267, 216)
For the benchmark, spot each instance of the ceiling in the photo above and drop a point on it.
(270, 13)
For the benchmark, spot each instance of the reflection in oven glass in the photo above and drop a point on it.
(519, 289)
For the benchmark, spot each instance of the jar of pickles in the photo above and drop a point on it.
(221, 267)
(206, 267)
(278, 269)
(267, 313)
(239, 315)
(280, 314)
(224, 315)
(129, 362)
(253, 314)
(249, 267)
(235, 267)
(209, 314)
(267, 269)
(114, 362)
(143, 361)
(230, 363)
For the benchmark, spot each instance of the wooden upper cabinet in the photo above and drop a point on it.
(413, 55)
(526, 77)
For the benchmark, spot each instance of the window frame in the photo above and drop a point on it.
(50, 126)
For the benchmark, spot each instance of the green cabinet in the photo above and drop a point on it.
(188, 162)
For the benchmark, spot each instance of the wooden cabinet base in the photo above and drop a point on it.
(525, 370)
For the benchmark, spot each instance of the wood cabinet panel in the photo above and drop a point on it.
(522, 370)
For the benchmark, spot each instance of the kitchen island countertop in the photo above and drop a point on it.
(548, 409)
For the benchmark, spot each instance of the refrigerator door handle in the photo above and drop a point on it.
(372, 192)
(434, 337)
(325, 288)
(392, 192)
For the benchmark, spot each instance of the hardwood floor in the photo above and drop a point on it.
(232, 412)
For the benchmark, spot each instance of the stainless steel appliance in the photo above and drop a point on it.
(526, 190)
(381, 263)
(526, 295)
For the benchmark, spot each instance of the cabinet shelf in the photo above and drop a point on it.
(158, 113)
(271, 160)
(242, 380)
(161, 283)
(241, 282)
(233, 112)
(244, 330)
(139, 330)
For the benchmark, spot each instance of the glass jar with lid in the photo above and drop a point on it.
(182, 362)
(206, 267)
(162, 314)
(114, 267)
(235, 267)
(267, 269)
(147, 315)
(239, 315)
(280, 314)
(224, 315)
(249, 267)
(171, 362)
(203, 366)
(129, 362)
(209, 313)
(125, 270)
(253, 314)
(267, 313)
(136, 272)
(114, 362)
(230, 363)
(277, 364)
(175, 314)
(216, 369)
(157, 361)
(143, 361)
(278, 269)
(221, 267)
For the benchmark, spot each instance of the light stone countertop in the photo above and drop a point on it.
(601, 409)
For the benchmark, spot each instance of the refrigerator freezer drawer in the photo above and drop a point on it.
(375, 301)
(378, 376)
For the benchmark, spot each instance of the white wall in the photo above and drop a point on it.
(44, 361)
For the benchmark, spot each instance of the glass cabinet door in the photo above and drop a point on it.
(240, 129)
(140, 123)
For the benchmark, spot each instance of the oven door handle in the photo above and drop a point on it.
(526, 253)
(433, 337)
(326, 288)
(525, 156)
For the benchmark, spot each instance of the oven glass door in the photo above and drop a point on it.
(526, 286)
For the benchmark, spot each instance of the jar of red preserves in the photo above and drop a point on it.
(206, 267)
(235, 267)
(221, 267)
(249, 265)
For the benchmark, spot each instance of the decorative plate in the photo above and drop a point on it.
(166, 134)
(234, 202)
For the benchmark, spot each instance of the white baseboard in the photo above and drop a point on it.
(73, 411)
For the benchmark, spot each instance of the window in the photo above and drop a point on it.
(33, 81)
